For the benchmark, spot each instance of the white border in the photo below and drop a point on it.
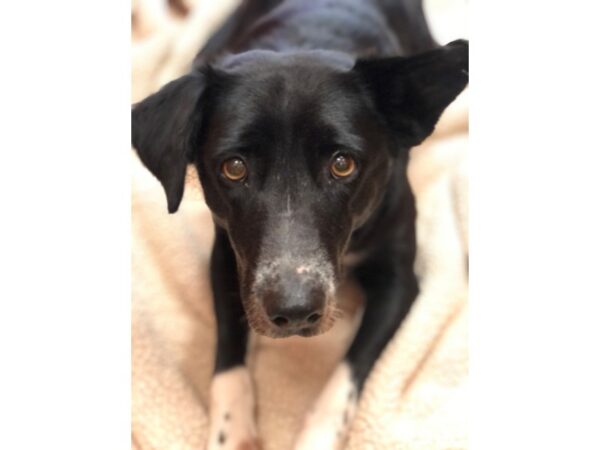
(64, 240)
(534, 226)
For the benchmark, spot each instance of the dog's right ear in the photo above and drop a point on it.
(412, 92)
(162, 130)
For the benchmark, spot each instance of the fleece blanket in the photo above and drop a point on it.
(416, 396)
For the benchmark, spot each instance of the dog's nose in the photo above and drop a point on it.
(292, 311)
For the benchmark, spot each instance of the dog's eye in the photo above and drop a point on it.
(234, 169)
(342, 166)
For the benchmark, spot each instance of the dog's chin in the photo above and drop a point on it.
(265, 329)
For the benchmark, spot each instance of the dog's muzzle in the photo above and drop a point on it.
(294, 299)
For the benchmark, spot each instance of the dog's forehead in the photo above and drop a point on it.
(260, 74)
(277, 94)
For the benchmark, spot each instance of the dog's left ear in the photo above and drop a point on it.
(162, 131)
(412, 92)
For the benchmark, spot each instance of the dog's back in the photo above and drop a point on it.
(358, 27)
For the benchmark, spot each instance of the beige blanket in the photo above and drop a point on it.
(416, 396)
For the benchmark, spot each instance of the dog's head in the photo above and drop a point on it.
(294, 153)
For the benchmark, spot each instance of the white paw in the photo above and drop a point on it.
(327, 424)
(232, 424)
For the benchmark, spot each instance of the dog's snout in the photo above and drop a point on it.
(297, 310)
(293, 295)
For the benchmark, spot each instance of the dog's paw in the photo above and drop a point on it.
(327, 424)
(232, 424)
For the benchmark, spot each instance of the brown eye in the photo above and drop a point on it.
(342, 166)
(234, 169)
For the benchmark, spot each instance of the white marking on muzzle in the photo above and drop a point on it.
(316, 268)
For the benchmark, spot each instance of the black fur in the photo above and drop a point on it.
(163, 126)
(308, 80)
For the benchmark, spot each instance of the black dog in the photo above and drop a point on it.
(301, 140)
